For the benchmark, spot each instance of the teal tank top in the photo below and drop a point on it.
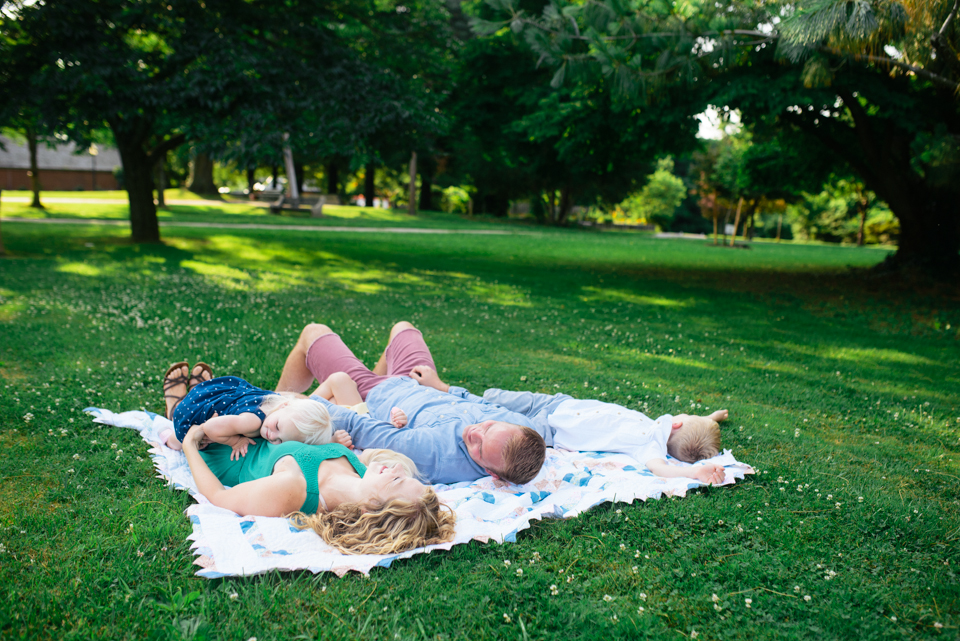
(263, 456)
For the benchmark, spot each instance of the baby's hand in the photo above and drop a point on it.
(710, 473)
(341, 437)
(398, 418)
(240, 448)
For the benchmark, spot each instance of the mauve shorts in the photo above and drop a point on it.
(329, 354)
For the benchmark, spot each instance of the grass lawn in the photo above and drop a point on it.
(16, 204)
(844, 394)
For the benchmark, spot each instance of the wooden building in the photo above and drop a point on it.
(60, 168)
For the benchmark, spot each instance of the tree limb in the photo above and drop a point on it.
(167, 145)
(831, 143)
(920, 71)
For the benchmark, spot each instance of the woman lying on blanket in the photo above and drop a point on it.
(356, 508)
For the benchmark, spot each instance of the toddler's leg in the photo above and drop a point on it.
(341, 389)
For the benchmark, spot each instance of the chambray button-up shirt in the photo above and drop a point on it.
(433, 437)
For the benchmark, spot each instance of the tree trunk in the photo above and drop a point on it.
(251, 179)
(779, 225)
(369, 184)
(736, 222)
(201, 175)
(138, 181)
(333, 177)
(552, 205)
(929, 234)
(862, 206)
(715, 223)
(412, 194)
(426, 192)
(161, 180)
(298, 172)
(34, 168)
(536, 207)
(566, 202)
(3, 252)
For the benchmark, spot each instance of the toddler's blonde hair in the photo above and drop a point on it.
(310, 418)
(699, 438)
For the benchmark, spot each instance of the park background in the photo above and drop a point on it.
(526, 149)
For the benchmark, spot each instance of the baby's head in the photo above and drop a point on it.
(293, 418)
(693, 438)
(391, 458)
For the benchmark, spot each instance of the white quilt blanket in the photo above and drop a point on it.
(230, 545)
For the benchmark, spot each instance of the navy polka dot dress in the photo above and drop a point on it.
(227, 395)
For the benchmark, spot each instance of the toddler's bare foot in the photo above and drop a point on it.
(719, 415)
(169, 438)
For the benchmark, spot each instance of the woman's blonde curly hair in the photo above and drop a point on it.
(396, 526)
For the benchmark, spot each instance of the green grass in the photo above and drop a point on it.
(844, 393)
(232, 210)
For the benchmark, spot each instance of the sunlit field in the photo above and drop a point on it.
(843, 390)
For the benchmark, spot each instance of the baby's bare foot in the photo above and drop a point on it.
(719, 415)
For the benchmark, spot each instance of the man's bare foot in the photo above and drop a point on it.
(719, 415)
(175, 386)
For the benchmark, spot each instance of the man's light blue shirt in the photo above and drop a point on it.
(433, 437)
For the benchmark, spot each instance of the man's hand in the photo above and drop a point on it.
(341, 437)
(710, 473)
(398, 418)
(427, 376)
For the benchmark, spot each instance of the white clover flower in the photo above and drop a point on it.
(506, 618)
(640, 609)
(796, 588)
(76, 456)
(635, 570)
(553, 590)
(693, 633)
(506, 563)
(714, 598)
(748, 602)
(643, 596)
(607, 598)
(519, 571)
(806, 597)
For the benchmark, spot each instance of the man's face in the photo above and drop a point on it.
(485, 442)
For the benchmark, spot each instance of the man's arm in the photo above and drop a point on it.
(527, 403)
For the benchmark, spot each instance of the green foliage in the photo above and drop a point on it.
(659, 198)
(844, 397)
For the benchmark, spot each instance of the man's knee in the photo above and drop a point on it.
(399, 327)
(312, 332)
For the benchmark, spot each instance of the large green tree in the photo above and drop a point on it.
(162, 72)
(874, 82)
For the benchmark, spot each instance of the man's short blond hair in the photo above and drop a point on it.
(699, 438)
(523, 456)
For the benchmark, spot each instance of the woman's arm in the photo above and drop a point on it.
(275, 495)
(221, 429)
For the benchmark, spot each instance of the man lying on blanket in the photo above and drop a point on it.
(454, 436)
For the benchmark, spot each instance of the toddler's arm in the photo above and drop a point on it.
(709, 473)
(225, 429)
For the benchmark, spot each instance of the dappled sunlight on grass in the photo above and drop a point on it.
(876, 356)
(80, 269)
(222, 275)
(597, 294)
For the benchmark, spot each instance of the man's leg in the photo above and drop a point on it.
(380, 369)
(295, 376)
